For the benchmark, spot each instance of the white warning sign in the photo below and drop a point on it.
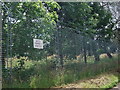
(38, 43)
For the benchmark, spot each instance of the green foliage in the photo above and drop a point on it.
(16, 84)
(31, 20)
(42, 75)
(79, 26)
(39, 19)
(41, 81)
(21, 64)
(78, 16)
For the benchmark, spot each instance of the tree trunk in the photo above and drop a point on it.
(84, 49)
(2, 38)
(75, 45)
(89, 50)
(109, 55)
(95, 53)
(85, 57)
(3, 59)
(60, 50)
(118, 39)
(59, 45)
(96, 57)
(2, 53)
(107, 52)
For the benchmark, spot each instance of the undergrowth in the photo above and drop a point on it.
(44, 75)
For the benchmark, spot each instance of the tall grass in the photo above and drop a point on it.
(43, 75)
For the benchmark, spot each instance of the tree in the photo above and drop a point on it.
(104, 28)
(28, 21)
(78, 18)
(89, 20)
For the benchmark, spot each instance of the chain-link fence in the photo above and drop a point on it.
(67, 54)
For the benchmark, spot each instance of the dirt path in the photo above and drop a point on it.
(96, 82)
(116, 87)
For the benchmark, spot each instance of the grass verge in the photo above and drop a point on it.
(103, 81)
